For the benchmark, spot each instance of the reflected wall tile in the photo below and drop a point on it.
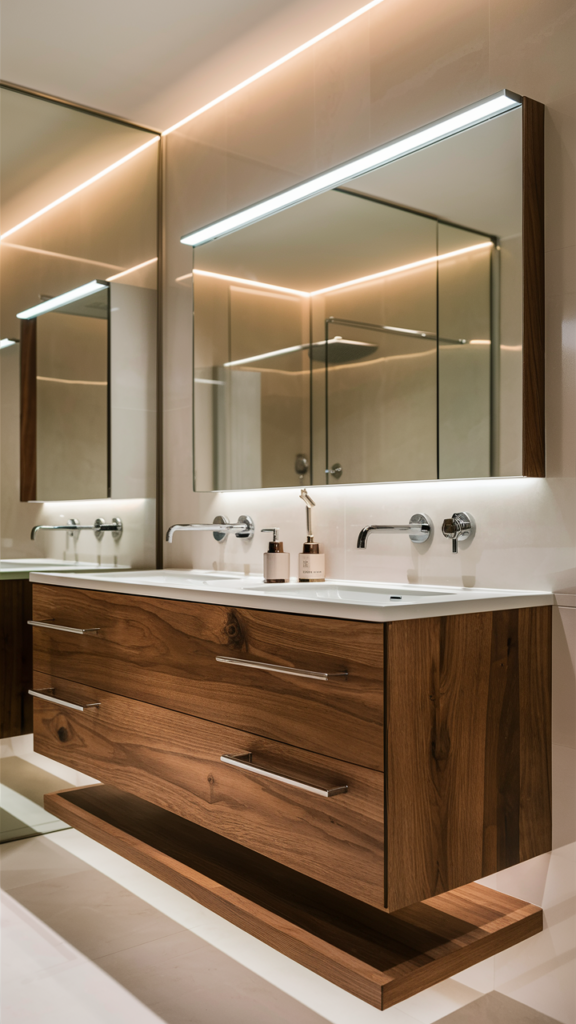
(563, 795)
(426, 60)
(342, 95)
(564, 678)
(561, 389)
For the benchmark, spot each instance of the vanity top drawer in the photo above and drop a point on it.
(174, 761)
(165, 652)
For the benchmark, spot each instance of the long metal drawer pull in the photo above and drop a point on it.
(49, 695)
(245, 761)
(65, 629)
(304, 673)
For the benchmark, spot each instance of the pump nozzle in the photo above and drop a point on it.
(309, 506)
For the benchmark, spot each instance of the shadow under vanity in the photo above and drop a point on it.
(333, 783)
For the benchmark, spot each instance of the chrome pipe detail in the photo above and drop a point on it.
(282, 669)
(49, 624)
(46, 695)
(244, 761)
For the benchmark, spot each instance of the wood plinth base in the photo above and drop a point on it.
(381, 958)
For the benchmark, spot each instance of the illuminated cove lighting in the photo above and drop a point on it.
(343, 284)
(62, 300)
(476, 113)
(80, 188)
(131, 270)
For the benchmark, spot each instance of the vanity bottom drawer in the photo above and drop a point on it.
(174, 761)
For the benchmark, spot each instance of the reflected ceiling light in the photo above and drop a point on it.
(62, 300)
(338, 342)
(446, 126)
(79, 188)
(344, 284)
(61, 255)
(276, 64)
(131, 270)
(6, 342)
(480, 341)
(407, 266)
(243, 280)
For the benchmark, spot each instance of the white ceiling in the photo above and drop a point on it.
(150, 61)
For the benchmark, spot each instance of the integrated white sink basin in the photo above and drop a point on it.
(351, 593)
(341, 599)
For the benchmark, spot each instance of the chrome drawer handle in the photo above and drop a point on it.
(46, 695)
(304, 673)
(65, 629)
(245, 761)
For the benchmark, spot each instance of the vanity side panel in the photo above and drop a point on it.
(469, 740)
(15, 657)
(437, 688)
(535, 657)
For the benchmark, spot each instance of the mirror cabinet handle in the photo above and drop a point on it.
(283, 669)
(244, 761)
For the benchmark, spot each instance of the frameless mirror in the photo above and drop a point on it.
(79, 281)
(375, 331)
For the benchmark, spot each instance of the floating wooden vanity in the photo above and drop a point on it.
(433, 734)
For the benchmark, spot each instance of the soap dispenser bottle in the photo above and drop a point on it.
(276, 560)
(310, 561)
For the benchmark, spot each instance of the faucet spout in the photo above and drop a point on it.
(219, 528)
(419, 529)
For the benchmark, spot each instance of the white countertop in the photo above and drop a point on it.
(340, 599)
(20, 568)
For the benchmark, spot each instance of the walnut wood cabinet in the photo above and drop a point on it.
(434, 735)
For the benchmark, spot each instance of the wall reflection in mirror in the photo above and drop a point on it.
(87, 367)
(372, 332)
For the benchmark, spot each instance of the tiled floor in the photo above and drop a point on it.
(91, 939)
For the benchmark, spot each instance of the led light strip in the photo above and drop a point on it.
(62, 256)
(343, 284)
(457, 122)
(276, 64)
(131, 270)
(79, 188)
(62, 300)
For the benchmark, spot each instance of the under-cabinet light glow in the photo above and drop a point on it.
(79, 188)
(276, 64)
(62, 300)
(131, 270)
(446, 126)
(6, 342)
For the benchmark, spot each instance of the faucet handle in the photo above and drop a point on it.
(460, 526)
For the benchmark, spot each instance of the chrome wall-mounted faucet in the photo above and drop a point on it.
(99, 526)
(460, 527)
(419, 529)
(220, 527)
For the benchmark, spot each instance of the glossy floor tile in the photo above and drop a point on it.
(22, 789)
(495, 1008)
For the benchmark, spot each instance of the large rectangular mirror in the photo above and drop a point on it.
(79, 283)
(384, 328)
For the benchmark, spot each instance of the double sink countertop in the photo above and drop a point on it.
(339, 599)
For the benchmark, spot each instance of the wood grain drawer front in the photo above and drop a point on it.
(173, 760)
(164, 652)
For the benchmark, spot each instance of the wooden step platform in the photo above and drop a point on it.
(381, 958)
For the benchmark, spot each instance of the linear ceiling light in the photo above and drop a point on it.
(276, 64)
(79, 188)
(132, 269)
(446, 126)
(6, 342)
(62, 300)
